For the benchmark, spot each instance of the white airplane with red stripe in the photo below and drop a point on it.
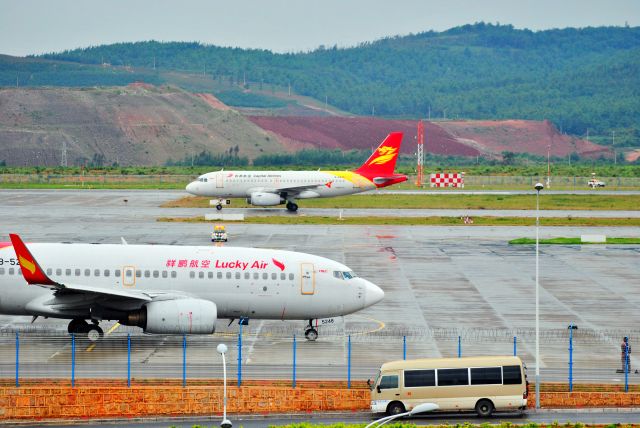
(269, 188)
(174, 289)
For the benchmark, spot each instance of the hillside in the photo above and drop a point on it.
(578, 79)
(458, 138)
(138, 124)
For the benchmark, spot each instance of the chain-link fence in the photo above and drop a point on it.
(567, 356)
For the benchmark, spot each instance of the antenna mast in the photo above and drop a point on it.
(420, 154)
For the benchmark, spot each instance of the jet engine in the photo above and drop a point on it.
(264, 199)
(179, 316)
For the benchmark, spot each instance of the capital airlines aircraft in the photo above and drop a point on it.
(265, 188)
(173, 289)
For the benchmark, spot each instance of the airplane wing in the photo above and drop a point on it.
(35, 275)
(293, 190)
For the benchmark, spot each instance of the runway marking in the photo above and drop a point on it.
(111, 330)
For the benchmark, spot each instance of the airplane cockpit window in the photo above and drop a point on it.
(344, 275)
(202, 179)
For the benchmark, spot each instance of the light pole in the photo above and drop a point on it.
(222, 348)
(538, 188)
(420, 408)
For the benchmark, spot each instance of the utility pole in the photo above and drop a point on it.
(613, 144)
(373, 110)
(549, 167)
(154, 62)
(420, 154)
(429, 115)
(63, 158)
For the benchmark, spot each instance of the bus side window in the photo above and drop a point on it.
(511, 375)
(486, 376)
(418, 378)
(388, 382)
(453, 377)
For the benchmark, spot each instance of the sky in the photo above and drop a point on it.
(40, 26)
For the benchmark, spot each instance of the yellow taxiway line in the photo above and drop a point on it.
(111, 330)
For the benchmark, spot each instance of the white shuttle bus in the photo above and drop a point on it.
(480, 384)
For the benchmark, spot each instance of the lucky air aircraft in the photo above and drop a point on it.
(265, 188)
(174, 289)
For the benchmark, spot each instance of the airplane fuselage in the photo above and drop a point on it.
(242, 282)
(312, 184)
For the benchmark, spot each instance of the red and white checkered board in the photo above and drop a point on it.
(444, 179)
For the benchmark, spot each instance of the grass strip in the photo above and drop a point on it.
(574, 241)
(416, 221)
(436, 201)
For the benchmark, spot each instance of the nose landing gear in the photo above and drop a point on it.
(310, 333)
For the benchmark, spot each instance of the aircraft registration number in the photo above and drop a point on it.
(9, 262)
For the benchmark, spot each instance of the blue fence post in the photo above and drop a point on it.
(129, 360)
(571, 357)
(73, 360)
(459, 347)
(515, 346)
(184, 360)
(349, 363)
(17, 360)
(404, 347)
(240, 356)
(294, 361)
(626, 367)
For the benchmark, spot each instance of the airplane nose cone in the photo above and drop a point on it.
(192, 188)
(373, 294)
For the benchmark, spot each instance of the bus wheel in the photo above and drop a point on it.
(395, 408)
(484, 408)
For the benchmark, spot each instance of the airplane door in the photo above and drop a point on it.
(220, 180)
(129, 276)
(308, 278)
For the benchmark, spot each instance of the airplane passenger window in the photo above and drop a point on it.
(96, 272)
(291, 276)
(219, 275)
(238, 274)
(10, 271)
(128, 272)
(87, 272)
(116, 272)
(67, 272)
(210, 275)
(192, 274)
(156, 274)
(247, 275)
(201, 275)
(138, 273)
(173, 274)
(274, 276)
(2, 271)
(77, 272)
(164, 273)
(265, 275)
(106, 272)
(228, 275)
(283, 276)
(256, 275)
(49, 271)
(147, 274)
(58, 271)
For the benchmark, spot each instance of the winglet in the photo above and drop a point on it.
(31, 270)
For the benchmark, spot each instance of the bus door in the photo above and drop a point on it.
(388, 388)
(220, 180)
(307, 278)
(129, 276)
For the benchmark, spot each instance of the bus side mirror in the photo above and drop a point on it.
(369, 383)
(378, 389)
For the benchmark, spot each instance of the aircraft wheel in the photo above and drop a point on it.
(292, 207)
(94, 333)
(78, 326)
(219, 207)
(311, 334)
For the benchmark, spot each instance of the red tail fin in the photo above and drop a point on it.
(31, 270)
(382, 161)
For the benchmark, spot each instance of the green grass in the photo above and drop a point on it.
(437, 201)
(573, 241)
(416, 221)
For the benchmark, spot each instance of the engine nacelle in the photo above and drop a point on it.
(179, 316)
(264, 199)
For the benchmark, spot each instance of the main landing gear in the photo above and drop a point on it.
(80, 326)
(310, 333)
(292, 206)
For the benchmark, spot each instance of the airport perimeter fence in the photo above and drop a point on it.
(160, 180)
(569, 356)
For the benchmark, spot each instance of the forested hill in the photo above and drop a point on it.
(578, 78)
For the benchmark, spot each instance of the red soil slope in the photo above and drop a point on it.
(461, 138)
